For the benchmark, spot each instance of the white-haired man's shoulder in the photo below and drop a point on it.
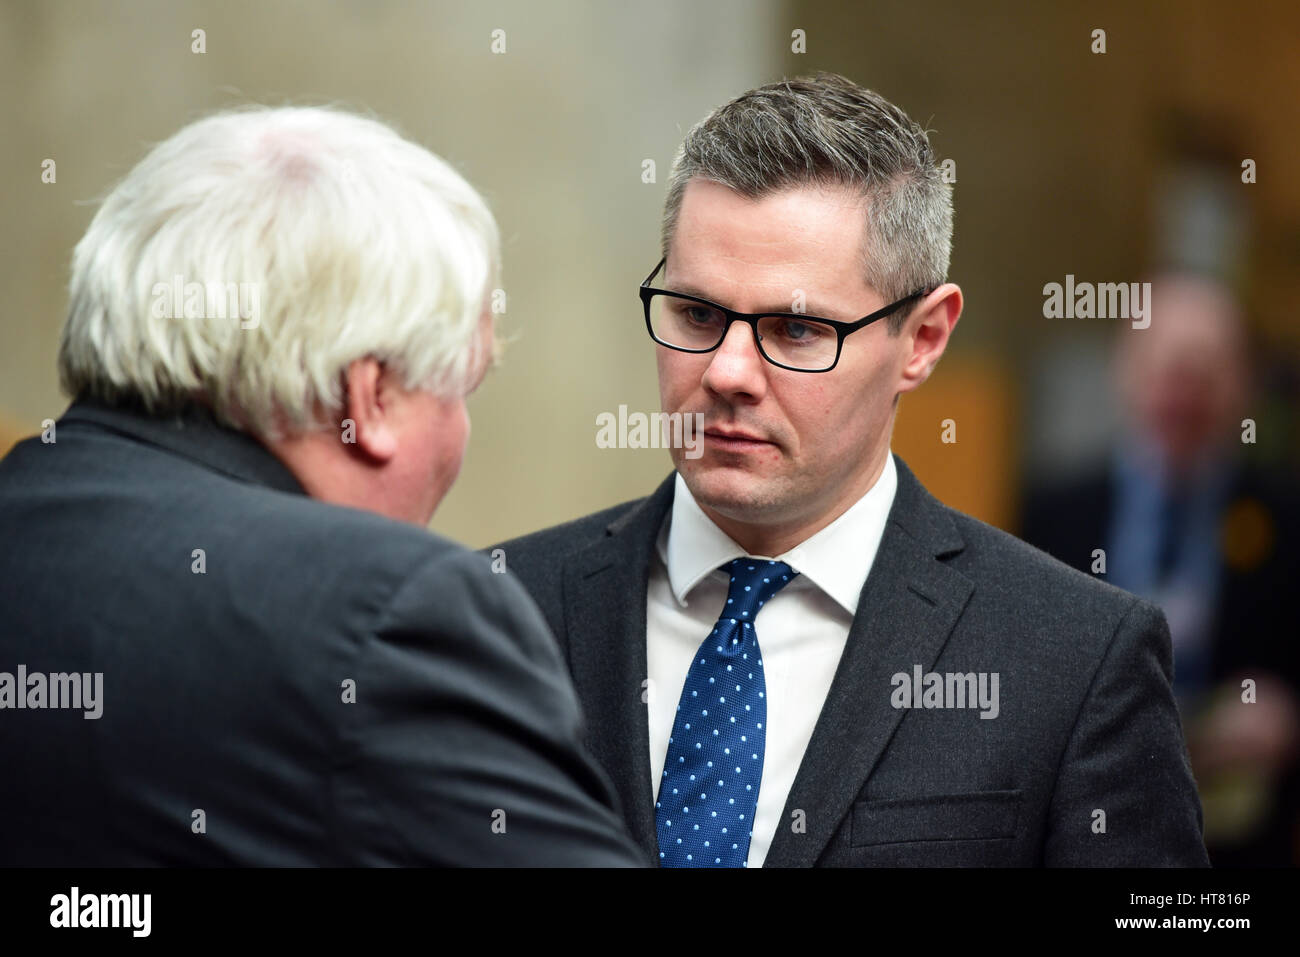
(336, 553)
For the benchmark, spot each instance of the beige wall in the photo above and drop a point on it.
(553, 132)
(1058, 153)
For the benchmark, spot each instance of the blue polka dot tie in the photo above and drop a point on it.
(705, 812)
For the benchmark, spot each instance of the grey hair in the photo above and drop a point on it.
(827, 130)
(349, 240)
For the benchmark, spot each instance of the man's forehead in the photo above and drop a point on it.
(807, 208)
(836, 290)
(809, 239)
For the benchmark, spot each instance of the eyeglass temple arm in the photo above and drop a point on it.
(646, 280)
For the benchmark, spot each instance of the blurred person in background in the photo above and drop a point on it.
(1186, 520)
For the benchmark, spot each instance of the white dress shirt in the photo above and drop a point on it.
(802, 631)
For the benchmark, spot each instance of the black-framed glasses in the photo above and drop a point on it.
(789, 340)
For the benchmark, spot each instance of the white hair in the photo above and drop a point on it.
(352, 241)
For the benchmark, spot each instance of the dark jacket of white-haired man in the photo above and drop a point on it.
(226, 636)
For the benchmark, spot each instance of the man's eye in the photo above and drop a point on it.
(796, 331)
(702, 315)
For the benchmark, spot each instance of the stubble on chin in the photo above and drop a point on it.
(740, 494)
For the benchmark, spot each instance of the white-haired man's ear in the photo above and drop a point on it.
(371, 388)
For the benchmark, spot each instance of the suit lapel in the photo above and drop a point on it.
(605, 620)
(908, 606)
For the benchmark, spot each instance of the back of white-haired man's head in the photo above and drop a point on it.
(311, 277)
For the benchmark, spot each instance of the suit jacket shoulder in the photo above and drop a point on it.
(538, 559)
(1080, 718)
(326, 685)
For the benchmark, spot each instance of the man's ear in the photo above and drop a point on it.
(369, 402)
(926, 334)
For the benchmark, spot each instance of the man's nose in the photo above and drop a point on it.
(737, 366)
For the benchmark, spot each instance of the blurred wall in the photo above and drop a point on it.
(1063, 159)
(1059, 156)
(554, 132)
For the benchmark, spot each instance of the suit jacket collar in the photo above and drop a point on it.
(605, 621)
(908, 607)
(910, 602)
(193, 433)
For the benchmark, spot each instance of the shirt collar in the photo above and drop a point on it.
(836, 559)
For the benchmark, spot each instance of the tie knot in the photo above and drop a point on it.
(753, 582)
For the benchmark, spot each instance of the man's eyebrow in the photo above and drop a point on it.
(810, 308)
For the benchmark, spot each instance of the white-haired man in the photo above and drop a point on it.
(275, 319)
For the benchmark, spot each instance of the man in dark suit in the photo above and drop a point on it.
(1186, 516)
(226, 636)
(790, 654)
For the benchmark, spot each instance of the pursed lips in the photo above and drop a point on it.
(735, 439)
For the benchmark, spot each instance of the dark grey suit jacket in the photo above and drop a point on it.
(223, 692)
(1087, 721)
